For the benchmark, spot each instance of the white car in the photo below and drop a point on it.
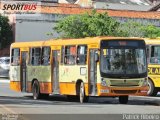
(4, 66)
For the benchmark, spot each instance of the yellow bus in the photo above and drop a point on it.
(80, 68)
(153, 58)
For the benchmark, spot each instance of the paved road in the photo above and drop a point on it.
(22, 103)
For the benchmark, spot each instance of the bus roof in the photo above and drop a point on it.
(87, 40)
(151, 41)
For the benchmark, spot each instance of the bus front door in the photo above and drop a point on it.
(55, 81)
(92, 72)
(24, 55)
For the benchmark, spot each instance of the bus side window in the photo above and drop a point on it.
(82, 54)
(45, 56)
(155, 55)
(15, 57)
(35, 56)
(70, 55)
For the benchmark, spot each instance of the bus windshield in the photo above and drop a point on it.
(123, 61)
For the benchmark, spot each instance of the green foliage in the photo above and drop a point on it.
(100, 24)
(135, 29)
(87, 25)
(6, 35)
(151, 31)
(130, 29)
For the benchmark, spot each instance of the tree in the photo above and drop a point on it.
(135, 29)
(87, 25)
(151, 31)
(100, 24)
(130, 29)
(6, 35)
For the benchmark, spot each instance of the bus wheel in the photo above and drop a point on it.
(152, 90)
(36, 90)
(123, 99)
(82, 96)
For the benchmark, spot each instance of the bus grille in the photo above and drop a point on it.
(124, 83)
(125, 91)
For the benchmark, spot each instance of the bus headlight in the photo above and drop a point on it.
(103, 82)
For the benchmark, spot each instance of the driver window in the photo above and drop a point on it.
(155, 55)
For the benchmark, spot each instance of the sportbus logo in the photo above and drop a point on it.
(21, 7)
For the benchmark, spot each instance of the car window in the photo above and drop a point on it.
(6, 61)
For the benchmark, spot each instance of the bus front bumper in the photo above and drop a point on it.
(121, 91)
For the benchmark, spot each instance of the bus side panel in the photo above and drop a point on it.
(15, 83)
(69, 74)
(154, 74)
(44, 87)
(67, 88)
(155, 80)
(29, 86)
(43, 75)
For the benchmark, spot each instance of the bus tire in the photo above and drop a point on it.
(152, 90)
(36, 90)
(82, 97)
(123, 99)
